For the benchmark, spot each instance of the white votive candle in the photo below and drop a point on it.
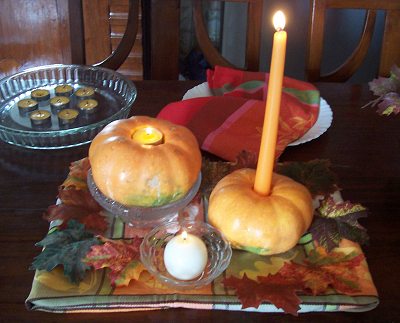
(185, 256)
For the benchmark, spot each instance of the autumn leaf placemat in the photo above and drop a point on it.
(90, 261)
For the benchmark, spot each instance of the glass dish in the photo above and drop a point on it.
(142, 217)
(114, 93)
(218, 249)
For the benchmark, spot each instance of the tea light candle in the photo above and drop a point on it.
(63, 90)
(85, 92)
(67, 116)
(27, 105)
(59, 102)
(40, 95)
(148, 136)
(88, 105)
(185, 256)
(40, 118)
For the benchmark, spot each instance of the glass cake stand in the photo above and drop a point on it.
(139, 216)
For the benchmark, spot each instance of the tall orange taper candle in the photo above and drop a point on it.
(266, 158)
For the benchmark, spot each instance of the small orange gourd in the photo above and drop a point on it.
(135, 174)
(264, 225)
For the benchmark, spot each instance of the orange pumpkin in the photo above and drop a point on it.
(136, 174)
(260, 224)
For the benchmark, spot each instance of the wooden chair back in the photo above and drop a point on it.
(253, 35)
(113, 35)
(390, 49)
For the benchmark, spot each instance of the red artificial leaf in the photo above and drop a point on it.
(117, 255)
(82, 199)
(78, 205)
(94, 222)
(277, 289)
(322, 270)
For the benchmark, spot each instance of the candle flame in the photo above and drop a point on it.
(279, 20)
(184, 235)
(148, 130)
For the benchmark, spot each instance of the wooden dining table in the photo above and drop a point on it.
(363, 148)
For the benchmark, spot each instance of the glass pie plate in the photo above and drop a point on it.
(113, 92)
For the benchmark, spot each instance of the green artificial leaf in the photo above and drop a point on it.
(337, 220)
(67, 248)
(316, 175)
(77, 205)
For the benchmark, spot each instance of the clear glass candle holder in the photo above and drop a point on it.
(219, 252)
(139, 216)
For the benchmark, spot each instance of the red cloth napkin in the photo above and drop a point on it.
(231, 121)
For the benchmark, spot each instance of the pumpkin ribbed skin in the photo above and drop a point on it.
(144, 175)
(261, 224)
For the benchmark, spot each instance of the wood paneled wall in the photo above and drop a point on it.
(35, 32)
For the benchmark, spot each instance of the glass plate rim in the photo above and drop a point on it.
(109, 119)
(19, 84)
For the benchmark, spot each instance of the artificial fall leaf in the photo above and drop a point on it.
(337, 220)
(245, 159)
(316, 175)
(383, 85)
(390, 104)
(118, 255)
(132, 272)
(78, 205)
(82, 199)
(77, 174)
(67, 248)
(322, 270)
(93, 222)
(277, 289)
(213, 171)
(387, 89)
